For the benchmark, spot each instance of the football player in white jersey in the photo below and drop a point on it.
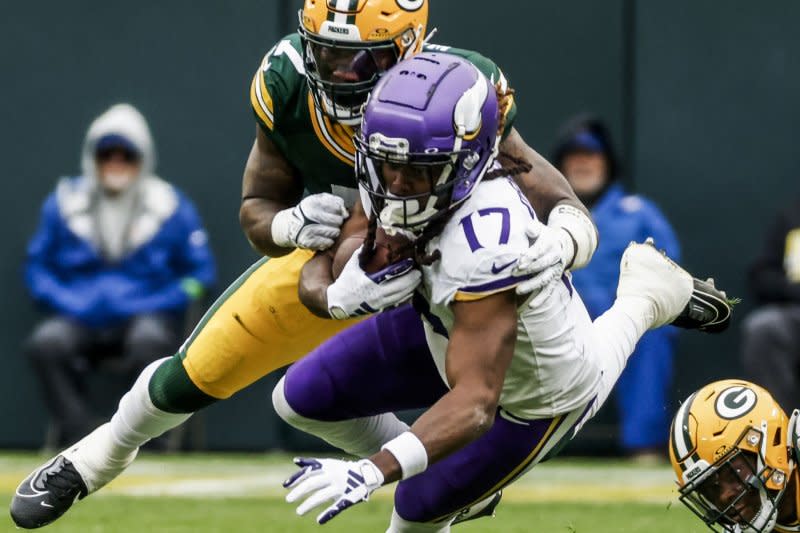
(508, 375)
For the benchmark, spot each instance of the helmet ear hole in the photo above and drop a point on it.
(777, 440)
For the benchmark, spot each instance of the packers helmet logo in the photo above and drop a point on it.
(735, 402)
(410, 5)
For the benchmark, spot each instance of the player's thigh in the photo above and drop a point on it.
(382, 364)
(255, 327)
(510, 448)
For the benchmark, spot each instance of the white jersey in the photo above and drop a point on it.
(551, 373)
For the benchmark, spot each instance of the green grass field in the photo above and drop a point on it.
(236, 493)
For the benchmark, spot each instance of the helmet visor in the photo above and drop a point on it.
(345, 72)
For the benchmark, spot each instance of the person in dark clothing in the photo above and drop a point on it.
(771, 333)
(117, 258)
(585, 155)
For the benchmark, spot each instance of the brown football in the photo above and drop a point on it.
(388, 250)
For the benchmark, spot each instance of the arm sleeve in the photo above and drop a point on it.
(766, 276)
(41, 273)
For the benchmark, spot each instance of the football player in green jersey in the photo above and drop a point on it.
(298, 188)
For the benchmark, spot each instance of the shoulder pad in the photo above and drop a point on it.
(481, 244)
(280, 74)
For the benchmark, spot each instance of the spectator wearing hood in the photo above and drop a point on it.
(117, 258)
(585, 155)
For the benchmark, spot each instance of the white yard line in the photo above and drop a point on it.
(218, 477)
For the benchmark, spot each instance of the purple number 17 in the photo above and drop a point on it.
(469, 229)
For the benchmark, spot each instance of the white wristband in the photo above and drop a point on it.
(580, 228)
(281, 229)
(409, 452)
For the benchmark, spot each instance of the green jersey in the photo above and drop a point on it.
(321, 149)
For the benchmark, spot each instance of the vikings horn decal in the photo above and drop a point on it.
(735, 402)
(410, 5)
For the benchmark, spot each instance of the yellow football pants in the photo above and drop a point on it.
(258, 325)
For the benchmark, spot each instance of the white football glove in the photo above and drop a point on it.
(356, 293)
(314, 223)
(345, 483)
(546, 259)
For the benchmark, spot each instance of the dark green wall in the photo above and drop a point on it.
(187, 65)
(701, 97)
(716, 122)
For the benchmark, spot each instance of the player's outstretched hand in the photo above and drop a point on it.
(345, 483)
(356, 293)
(545, 260)
(314, 223)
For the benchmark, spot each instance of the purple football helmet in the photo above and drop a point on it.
(434, 110)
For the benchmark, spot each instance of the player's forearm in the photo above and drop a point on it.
(457, 419)
(315, 278)
(477, 361)
(255, 217)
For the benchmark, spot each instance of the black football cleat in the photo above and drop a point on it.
(709, 309)
(47, 494)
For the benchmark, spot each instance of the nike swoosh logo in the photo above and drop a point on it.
(43, 504)
(497, 269)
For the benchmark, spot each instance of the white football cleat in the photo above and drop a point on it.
(677, 297)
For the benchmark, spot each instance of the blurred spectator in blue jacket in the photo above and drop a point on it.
(771, 332)
(585, 155)
(117, 258)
